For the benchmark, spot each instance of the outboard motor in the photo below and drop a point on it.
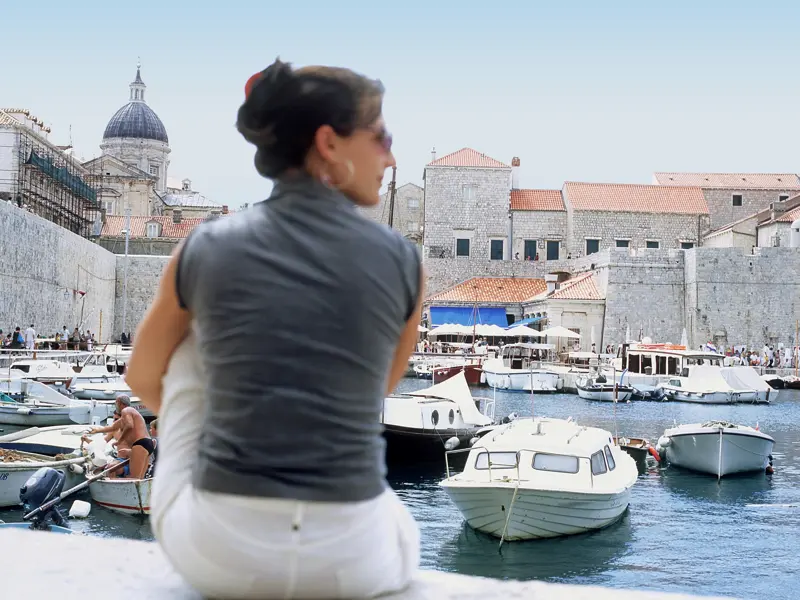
(42, 487)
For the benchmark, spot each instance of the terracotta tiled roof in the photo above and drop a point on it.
(492, 289)
(115, 225)
(789, 216)
(467, 157)
(616, 197)
(582, 287)
(731, 180)
(537, 200)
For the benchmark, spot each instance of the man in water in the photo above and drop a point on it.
(134, 442)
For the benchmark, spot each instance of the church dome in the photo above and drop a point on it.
(136, 119)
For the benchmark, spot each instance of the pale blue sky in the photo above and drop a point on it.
(582, 91)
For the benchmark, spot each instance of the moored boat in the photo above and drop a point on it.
(717, 447)
(600, 389)
(126, 496)
(542, 478)
(17, 467)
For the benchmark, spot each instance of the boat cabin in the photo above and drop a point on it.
(524, 356)
(665, 359)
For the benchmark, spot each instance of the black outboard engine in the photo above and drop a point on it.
(42, 487)
(601, 378)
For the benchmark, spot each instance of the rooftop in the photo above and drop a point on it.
(537, 200)
(189, 200)
(581, 287)
(730, 180)
(115, 226)
(467, 157)
(501, 290)
(617, 197)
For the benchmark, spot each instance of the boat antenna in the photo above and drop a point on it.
(616, 390)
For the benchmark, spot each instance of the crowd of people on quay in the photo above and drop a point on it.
(29, 339)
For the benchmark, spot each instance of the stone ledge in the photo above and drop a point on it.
(77, 567)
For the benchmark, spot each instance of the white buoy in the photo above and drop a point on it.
(452, 443)
(474, 441)
(79, 509)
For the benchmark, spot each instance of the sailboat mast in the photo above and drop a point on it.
(392, 190)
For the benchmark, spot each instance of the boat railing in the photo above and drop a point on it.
(517, 461)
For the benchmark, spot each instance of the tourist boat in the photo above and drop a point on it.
(717, 448)
(420, 425)
(30, 403)
(600, 389)
(519, 368)
(126, 496)
(653, 364)
(715, 385)
(541, 478)
(16, 467)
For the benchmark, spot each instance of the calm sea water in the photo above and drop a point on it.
(683, 532)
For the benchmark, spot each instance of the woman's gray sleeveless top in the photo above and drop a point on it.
(299, 304)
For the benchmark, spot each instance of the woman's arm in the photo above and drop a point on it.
(163, 328)
(408, 340)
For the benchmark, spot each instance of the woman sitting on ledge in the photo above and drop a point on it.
(271, 476)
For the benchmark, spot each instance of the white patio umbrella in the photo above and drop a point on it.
(560, 332)
(522, 331)
(421, 329)
(450, 329)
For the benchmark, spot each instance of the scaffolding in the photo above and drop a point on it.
(51, 184)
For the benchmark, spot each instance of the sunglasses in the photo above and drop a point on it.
(384, 138)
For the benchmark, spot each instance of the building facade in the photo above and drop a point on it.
(406, 214)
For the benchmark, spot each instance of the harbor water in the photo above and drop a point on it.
(684, 532)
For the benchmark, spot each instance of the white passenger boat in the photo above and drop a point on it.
(126, 496)
(420, 425)
(520, 367)
(16, 467)
(717, 448)
(653, 364)
(541, 478)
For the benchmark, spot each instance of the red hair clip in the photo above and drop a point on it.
(248, 87)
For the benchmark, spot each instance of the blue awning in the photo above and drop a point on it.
(463, 315)
(527, 321)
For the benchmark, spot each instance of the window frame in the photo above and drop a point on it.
(610, 461)
(492, 243)
(469, 244)
(740, 197)
(586, 245)
(151, 227)
(489, 463)
(577, 463)
(592, 465)
(649, 247)
(627, 242)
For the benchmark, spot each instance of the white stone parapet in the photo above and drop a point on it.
(78, 567)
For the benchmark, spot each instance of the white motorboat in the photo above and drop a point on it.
(30, 403)
(98, 386)
(713, 385)
(49, 441)
(520, 368)
(602, 390)
(716, 447)
(126, 496)
(419, 425)
(542, 478)
(652, 364)
(16, 467)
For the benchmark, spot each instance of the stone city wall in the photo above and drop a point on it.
(42, 268)
(737, 297)
(143, 275)
(139, 246)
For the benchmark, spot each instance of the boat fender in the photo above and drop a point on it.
(559, 384)
(22, 410)
(452, 443)
(76, 469)
(770, 468)
(79, 509)
(474, 441)
(663, 442)
(511, 417)
(654, 453)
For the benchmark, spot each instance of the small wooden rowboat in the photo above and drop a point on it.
(637, 448)
(126, 496)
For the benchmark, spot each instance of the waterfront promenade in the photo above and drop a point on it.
(78, 567)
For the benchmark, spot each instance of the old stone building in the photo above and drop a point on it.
(733, 196)
(624, 216)
(466, 206)
(181, 199)
(120, 185)
(538, 224)
(406, 214)
(769, 227)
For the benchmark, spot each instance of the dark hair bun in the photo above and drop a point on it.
(284, 108)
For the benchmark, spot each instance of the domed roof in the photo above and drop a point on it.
(136, 119)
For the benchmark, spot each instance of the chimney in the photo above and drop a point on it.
(515, 173)
(433, 154)
(176, 215)
(224, 209)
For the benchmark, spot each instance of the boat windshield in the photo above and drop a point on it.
(556, 463)
(498, 460)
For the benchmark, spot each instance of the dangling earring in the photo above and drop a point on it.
(326, 180)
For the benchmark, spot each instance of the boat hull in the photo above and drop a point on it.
(605, 393)
(523, 381)
(11, 480)
(126, 496)
(678, 395)
(741, 453)
(472, 373)
(536, 514)
(35, 417)
(408, 446)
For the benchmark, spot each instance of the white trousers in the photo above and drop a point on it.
(243, 547)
